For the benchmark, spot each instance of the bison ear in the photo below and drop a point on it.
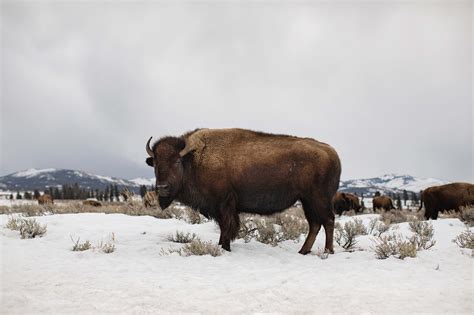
(193, 143)
(149, 161)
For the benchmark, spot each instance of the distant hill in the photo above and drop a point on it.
(43, 178)
(388, 183)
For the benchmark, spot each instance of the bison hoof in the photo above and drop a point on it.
(329, 251)
(304, 252)
(227, 248)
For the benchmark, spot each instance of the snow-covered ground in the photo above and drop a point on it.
(44, 275)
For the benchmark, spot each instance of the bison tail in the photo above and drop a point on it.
(421, 201)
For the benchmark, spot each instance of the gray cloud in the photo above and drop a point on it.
(388, 84)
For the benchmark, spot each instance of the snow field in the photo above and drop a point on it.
(44, 275)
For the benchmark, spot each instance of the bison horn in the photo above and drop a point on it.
(148, 149)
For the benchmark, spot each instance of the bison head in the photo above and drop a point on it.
(166, 157)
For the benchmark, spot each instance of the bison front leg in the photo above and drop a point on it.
(229, 229)
(229, 223)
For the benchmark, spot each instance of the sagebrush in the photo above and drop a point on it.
(197, 248)
(30, 228)
(345, 235)
(288, 225)
(80, 246)
(181, 237)
(465, 239)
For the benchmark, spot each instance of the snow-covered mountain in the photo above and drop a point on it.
(388, 183)
(42, 178)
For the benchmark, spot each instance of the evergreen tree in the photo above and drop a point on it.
(116, 193)
(56, 193)
(27, 195)
(414, 198)
(377, 193)
(18, 196)
(11, 196)
(399, 202)
(106, 194)
(405, 197)
(36, 193)
(142, 190)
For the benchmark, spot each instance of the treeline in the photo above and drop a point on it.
(76, 192)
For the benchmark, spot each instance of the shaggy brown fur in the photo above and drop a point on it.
(93, 203)
(345, 202)
(150, 200)
(382, 202)
(45, 199)
(223, 172)
(446, 197)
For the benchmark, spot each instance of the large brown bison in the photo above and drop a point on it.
(45, 199)
(150, 199)
(222, 172)
(345, 202)
(382, 202)
(446, 197)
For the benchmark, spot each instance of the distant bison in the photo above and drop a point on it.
(150, 200)
(93, 203)
(345, 202)
(223, 172)
(446, 197)
(382, 202)
(45, 199)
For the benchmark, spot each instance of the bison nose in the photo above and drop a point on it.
(162, 187)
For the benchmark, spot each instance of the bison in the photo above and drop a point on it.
(383, 202)
(223, 172)
(93, 203)
(345, 202)
(150, 199)
(45, 199)
(446, 197)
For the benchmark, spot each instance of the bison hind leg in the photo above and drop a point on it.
(318, 211)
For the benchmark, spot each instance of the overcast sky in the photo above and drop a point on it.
(388, 84)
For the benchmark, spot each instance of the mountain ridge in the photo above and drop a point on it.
(41, 179)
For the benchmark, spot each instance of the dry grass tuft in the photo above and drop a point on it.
(108, 246)
(372, 225)
(345, 235)
(288, 225)
(466, 215)
(396, 216)
(195, 248)
(400, 247)
(30, 228)
(14, 223)
(465, 239)
(394, 245)
(79, 247)
(180, 237)
(424, 232)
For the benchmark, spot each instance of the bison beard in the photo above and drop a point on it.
(224, 172)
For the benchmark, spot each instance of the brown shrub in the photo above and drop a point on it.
(465, 239)
(288, 225)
